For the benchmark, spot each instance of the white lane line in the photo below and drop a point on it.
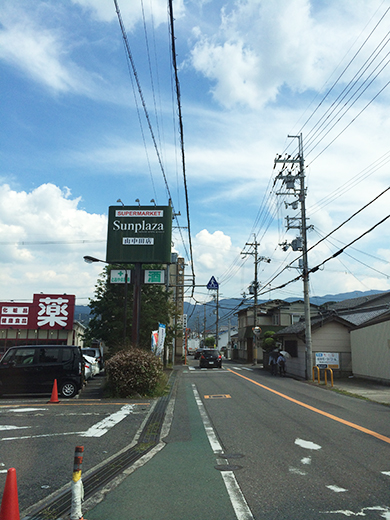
(15, 410)
(7, 427)
(102, 427)
(246, 368)
(237, 499)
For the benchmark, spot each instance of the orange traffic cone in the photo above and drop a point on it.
(54, 394)
(10, 505)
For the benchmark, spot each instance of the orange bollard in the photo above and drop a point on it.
(54, 394)
(10, 504)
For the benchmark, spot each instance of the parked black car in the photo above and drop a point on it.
(33, 368)
(210, 358)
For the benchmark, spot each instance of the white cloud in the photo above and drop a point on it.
(38, 51)
(261, 47)
(42, 234)
(131, 12)
(212, 249)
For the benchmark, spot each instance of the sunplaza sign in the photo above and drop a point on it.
(47, 311)
(139, 234)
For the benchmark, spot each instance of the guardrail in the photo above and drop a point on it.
(326, 375)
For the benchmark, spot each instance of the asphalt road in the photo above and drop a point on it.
(304, 452)
(39, 439)
(297, 451)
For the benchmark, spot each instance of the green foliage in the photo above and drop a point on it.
(133, 371)
(269, 342)
(209, 341)
(108, 313)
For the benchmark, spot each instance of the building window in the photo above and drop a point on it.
(295, 318)
(275, 319)
(291, 346)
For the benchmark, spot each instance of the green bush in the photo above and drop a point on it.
(133, 371)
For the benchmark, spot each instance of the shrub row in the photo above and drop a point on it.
(134, 371)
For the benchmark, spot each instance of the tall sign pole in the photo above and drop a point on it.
(213, 285)
(139, 235)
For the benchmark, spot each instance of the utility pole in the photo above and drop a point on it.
(300, 244)
(255, 287)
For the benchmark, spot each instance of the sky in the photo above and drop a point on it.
(84, 124)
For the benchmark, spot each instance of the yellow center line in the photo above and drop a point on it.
(316, 410)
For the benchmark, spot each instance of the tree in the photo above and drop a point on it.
(269, 342)
(209, 341)
(108, 312)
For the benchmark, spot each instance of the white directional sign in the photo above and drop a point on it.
(213, 284)
(118, 275)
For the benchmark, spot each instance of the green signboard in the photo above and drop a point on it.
(139, 234)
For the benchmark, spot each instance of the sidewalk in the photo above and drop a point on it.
(364, 388)
(179, 481)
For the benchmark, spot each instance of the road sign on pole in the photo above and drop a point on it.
(213, 284)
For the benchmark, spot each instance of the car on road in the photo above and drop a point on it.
(33, 369)
(210, 358)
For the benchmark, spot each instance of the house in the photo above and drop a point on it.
(272, 315)
(343, 329)
(370, 348)
(329, 334)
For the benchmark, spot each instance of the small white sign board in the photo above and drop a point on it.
(118, 276)
(328, 360)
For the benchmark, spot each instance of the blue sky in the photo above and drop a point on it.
(251, 73)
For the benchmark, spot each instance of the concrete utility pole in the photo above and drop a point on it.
(300, 244)
(255, 286)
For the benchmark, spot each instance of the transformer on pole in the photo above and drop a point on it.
(289, 180)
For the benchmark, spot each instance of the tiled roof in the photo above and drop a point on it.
(362, 301)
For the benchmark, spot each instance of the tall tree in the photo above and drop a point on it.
(108, 313)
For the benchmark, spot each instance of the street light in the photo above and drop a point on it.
(92, 260)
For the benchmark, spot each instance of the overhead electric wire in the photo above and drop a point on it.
(344, 71)
(132, 63)
(328, 235)
(130, 56)
(181, 130)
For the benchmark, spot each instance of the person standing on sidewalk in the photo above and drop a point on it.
(281, 364)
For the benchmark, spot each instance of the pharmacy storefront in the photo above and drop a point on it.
(47, 320)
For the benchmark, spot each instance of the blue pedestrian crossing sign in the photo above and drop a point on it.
(213, 284)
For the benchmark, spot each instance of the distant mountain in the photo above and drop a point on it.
(196, 314)
(82, 314)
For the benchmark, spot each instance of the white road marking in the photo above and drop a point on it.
(297, 471)
(387, 473)
(307, 444)
(191, 368)
(237, 499)
(306, 460)
(347, 512)
(97, 430)
(7, 427)
(26, 410)
(337, 489)
(102, 427)
(246, 368)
